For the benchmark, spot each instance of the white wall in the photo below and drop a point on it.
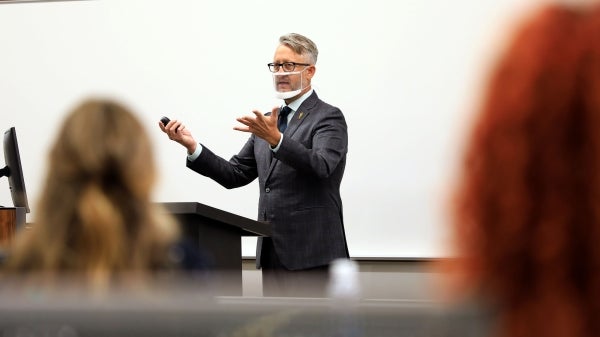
(405, 73)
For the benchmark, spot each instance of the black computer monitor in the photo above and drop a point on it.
(13, 170)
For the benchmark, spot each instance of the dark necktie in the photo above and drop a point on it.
(283, 114)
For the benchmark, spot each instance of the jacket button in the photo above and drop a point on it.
(267, 190)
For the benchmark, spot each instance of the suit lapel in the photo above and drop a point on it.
(299, 116)
(296, 121)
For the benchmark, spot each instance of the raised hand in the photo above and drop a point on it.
(261, 125)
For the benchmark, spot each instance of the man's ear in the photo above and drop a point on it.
(310, 72)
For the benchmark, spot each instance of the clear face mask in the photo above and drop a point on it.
(283, 81)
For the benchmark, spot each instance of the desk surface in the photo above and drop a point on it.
(191, 311)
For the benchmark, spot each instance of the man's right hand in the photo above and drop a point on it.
(180, 134)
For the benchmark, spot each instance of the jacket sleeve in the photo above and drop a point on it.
(323, 151)
(240, 170)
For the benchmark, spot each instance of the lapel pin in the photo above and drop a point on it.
(300, 115)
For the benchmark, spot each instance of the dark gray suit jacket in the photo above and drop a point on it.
(299, 184)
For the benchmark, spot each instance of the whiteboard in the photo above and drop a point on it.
(406, 74)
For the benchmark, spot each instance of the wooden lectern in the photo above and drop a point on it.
(11, 220)
(220, 234)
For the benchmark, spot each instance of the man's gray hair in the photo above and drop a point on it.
(301, 45)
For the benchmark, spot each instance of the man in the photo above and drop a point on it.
(298, 153)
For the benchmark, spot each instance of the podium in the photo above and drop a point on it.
(220, 234)
(11, 220)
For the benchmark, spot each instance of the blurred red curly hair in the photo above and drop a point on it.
(527, 208)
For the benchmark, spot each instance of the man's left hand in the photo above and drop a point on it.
(261, 126)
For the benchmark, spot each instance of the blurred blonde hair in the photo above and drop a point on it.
(95, 217)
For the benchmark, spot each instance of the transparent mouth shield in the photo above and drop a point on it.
(286, 84)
